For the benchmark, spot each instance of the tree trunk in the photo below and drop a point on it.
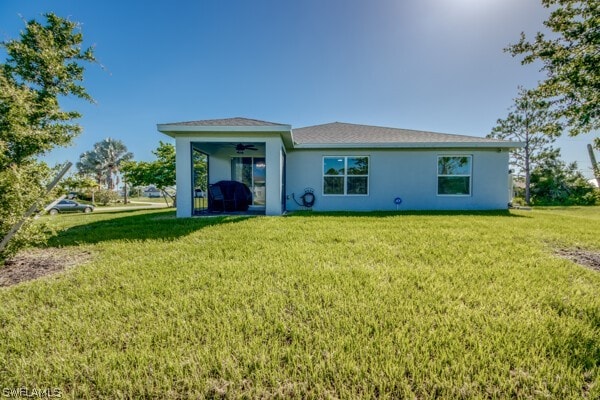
(124, 190)
(109, 180)
(595, 166)
(164, 193)
(173, 199)
(527, 163)
(527, 179)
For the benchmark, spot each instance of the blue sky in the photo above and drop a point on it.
(434, 65)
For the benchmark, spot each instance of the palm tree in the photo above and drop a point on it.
(104, 161)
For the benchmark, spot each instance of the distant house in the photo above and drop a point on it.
(342, 166)
(151, 192)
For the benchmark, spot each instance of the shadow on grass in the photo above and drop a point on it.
(445, 213)
(136, 226)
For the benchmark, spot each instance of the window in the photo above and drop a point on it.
(454, 175)
(346, 175)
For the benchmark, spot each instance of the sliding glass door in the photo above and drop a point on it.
(252, 172)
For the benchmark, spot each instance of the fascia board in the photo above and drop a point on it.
(174, 129)
(423, 145)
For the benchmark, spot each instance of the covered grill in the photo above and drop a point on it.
(229, 196)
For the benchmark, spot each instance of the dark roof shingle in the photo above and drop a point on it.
(344, 133)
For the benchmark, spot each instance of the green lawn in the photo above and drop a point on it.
(157, 200)
(136, 202)
(414, 305)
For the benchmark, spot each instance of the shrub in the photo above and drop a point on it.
(518, 201)
(556, 183)
(85, 195)
(21, 188)
(105, 197)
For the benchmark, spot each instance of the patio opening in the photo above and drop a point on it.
(229, 177)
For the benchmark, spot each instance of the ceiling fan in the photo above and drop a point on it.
(240, 148)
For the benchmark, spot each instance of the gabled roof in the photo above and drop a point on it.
(244, 126)
(339, 134)
(334, 135)
(236, 121)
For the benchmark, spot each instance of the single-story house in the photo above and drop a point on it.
(340, 166)
(152, 191)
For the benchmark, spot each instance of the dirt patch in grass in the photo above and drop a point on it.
(587, 258)
(33, 264)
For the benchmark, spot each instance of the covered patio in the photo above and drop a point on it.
(242, 162)
(212, 151)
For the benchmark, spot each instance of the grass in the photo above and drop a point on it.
(157, 200)
(133, 203)
(425, 305)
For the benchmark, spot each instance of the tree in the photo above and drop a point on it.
(106, 196)
(160, 172)
(529, 121)
(200, 161)
(77, 183)
(555, 183)
(81, 184)
(104, 162)
(43, 66)
(570, 56)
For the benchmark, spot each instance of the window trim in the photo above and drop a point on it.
(470, 175)
(345, 175)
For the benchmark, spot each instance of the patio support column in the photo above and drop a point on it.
(273, 175)
(183, 176)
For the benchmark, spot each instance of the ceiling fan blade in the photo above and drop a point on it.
(240, 147)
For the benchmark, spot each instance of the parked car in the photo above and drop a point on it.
(70, 206)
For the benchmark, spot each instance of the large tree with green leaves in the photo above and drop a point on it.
(570, 57)
(530, 121)
(160, 172)
(43, 66)
(104, 162)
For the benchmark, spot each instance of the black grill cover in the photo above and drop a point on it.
(236, 194)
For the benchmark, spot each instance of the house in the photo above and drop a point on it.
(340, 166)
(152, 192)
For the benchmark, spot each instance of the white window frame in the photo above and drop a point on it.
(438, 175)
(345, 176)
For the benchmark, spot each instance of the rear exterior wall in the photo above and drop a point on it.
(410, 175)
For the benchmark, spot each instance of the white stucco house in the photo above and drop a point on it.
(345, 167)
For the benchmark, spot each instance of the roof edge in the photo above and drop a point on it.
(219, 122)
(412, 145)
(173, 129)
